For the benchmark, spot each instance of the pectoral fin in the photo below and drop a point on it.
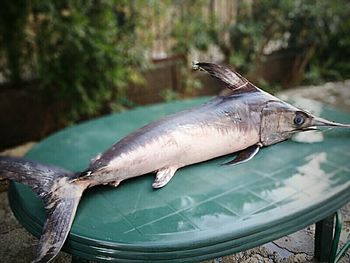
(163, 176)
(245, 155)
(115, 183)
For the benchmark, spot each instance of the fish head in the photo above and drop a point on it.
(280, 120)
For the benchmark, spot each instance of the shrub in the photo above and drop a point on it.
(82, 54)
(316, 32)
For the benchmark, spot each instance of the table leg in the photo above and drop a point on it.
(324, 238)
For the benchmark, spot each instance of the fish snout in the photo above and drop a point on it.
(320, 122)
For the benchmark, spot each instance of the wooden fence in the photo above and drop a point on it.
(224, 10)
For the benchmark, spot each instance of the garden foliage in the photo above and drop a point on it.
(83, 54)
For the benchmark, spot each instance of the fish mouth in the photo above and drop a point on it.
(311, 128)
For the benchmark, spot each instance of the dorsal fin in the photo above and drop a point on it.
(232, 80)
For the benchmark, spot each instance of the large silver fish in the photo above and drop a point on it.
(243, 121)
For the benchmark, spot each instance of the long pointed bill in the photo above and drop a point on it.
(318, 122)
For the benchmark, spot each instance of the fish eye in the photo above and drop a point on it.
(299, 119)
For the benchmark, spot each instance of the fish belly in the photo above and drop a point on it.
(210, 143)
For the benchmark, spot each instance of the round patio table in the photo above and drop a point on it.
(206, 210)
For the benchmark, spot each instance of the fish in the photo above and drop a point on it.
(242, 121)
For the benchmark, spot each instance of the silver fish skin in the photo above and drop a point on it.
(221, 126)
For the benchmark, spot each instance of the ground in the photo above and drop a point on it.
(17, 245)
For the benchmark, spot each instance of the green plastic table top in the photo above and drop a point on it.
(206, 210)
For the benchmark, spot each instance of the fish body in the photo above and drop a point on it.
(219, 127)
(243, 120)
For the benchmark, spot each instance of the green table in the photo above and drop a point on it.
(206, 211)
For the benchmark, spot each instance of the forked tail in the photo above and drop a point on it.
(61, 196)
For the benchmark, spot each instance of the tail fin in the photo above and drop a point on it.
(61, 196)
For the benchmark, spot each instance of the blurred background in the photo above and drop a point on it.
(63, 62)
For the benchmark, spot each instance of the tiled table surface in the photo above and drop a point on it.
(206, 210)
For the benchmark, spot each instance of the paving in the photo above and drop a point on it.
(17, 245)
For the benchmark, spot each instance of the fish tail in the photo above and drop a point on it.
(60, 193)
